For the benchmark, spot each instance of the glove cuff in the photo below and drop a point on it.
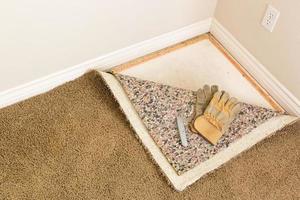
(207, 130)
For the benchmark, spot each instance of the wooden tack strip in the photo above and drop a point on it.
(246, 74)
(220, 47)
(158, 53)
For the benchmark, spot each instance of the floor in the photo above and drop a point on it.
(190, 65)
(194, 65)
(74, 143)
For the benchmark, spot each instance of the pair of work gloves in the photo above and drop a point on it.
(214, 111)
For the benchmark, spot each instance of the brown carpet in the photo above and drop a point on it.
(74, 143)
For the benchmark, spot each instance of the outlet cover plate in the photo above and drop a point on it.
(270, 18)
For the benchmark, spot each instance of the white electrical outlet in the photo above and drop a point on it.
(270, 18)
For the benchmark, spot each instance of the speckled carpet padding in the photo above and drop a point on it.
(152, 109)
(158, 106)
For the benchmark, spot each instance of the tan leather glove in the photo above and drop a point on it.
(204, 95)
(217, 116)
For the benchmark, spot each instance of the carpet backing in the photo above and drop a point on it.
(74, 143)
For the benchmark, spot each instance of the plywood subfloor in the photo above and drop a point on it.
(196, 62)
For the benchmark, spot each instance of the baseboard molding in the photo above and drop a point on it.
(103, 62)
(279, 92)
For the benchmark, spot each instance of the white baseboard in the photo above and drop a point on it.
(103, 62)
(279, 92)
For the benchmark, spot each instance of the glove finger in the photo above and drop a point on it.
(235, 109)
(231, 102)
(224, 99)
(200, 95)
(212, 106)
(214, 89)
(207, 91)
(199, 102)
(209, 109)
(216, 98)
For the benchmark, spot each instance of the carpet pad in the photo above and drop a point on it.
(158, 106)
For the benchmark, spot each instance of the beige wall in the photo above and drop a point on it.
(40, 37)
(278, 51)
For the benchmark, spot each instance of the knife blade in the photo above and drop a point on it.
(182, 132)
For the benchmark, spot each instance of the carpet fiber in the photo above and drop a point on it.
(74, 143)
